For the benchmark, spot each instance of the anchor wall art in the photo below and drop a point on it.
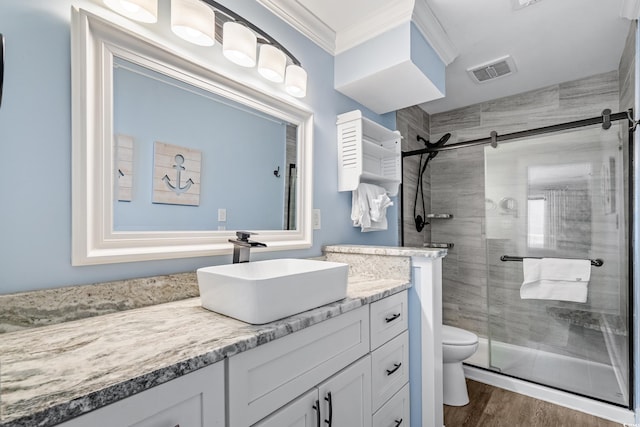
(176, 175)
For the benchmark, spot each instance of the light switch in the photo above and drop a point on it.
(316, 219)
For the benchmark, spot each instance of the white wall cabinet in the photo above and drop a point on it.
(367, 152)
(192, 400)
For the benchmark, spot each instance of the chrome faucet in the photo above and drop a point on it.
(242, 246)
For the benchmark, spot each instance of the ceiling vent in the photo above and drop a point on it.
(492, 70)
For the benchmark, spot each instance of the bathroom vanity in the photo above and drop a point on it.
(179, 364)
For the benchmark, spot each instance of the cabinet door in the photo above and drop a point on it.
(192, 400)
(346, 397)
(303, 412)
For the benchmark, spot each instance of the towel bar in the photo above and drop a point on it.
(595, 262)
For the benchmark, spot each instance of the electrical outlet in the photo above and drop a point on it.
(316, 219)
(222, 215)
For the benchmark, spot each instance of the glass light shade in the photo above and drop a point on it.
(296, 81)
(138, 10)
(239, 44)
(272, 63)
(193, 21)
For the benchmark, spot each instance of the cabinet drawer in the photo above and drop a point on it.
(396, 412)
(265, 378)
(389, 369)
(388, 318)
(192, 400)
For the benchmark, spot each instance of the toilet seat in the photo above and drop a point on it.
(456, 336)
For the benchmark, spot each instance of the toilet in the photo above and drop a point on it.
(457, 345)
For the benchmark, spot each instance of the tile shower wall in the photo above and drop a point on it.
(456, 179)
(411, 122)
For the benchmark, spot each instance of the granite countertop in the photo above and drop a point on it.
(388, 251)
(53, 373)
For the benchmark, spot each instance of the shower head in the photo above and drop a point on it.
(421, 222)
(443, 140)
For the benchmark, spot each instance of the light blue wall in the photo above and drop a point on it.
(426, 59)
(240, 150)
(35, 136)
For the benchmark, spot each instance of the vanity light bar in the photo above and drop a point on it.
(271, 65)
(194, 21)
(138, 10)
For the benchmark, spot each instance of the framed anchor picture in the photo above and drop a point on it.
(176, 175)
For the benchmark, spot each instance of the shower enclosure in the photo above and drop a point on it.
(560, 191)
(561, 195)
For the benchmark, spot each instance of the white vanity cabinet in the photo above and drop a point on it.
(268, 377)
(192, 400)
(349, 371)
(390, 361)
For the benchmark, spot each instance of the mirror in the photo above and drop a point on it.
(203, 171)
(170, 158)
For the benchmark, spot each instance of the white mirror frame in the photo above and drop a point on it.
(95, 41)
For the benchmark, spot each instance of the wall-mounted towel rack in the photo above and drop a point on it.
(595, 262)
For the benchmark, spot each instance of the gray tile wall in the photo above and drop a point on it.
(457, 184)
(411, 122)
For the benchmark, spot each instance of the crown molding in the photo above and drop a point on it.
(432, 30)
(393, 14)
(630, 9)
(303, 20)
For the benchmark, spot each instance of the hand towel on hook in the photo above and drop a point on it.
(556, 279)
(369, 205)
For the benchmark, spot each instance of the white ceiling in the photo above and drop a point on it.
(551, 41)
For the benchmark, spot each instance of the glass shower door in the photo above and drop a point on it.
(560, 195)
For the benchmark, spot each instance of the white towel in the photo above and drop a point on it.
(369, 205)
(556, 279)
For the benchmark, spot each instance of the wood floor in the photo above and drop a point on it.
(495, 407)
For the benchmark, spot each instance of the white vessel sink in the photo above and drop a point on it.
(263, 291)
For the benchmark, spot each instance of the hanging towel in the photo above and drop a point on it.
(369, 205)
(555, 279)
